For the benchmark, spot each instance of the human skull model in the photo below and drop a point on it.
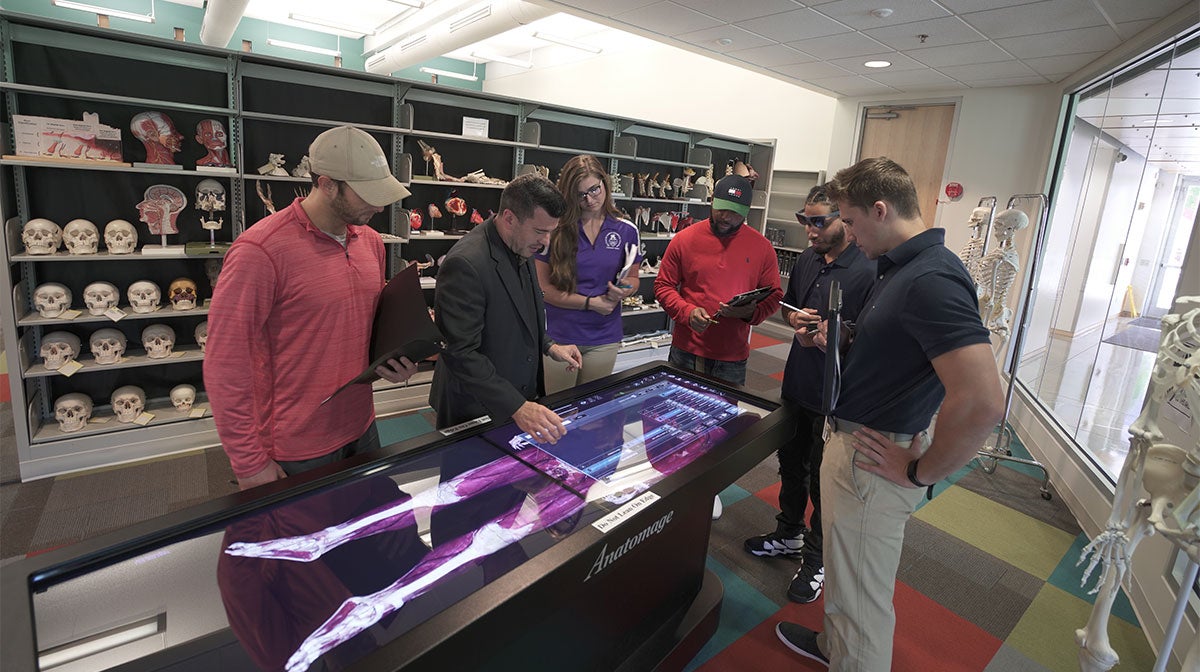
(158, 339)
(51, 299)
(58, 348)
(183, 396)
(144, 296)
(182, 294)
(107, 346)
(72, 411)
(128, 402)
(81, 237)
(210, 196)
(120, 237)
(201, 334)
(979, 216)
(1008, 222)
(100, 296)
(41, 236)
(212, 269)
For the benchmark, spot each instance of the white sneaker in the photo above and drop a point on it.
(717, 508)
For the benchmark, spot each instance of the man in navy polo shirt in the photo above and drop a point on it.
(830, 256)
(918, 343)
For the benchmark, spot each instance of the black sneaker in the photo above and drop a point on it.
(801, 640)
(775, 544)
(807, 583)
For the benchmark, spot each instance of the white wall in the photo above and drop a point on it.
(641, 79)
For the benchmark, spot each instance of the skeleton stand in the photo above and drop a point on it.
(990, 455)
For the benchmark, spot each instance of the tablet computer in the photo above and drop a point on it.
(752, 296)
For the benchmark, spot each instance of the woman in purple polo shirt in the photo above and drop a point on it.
(579, 271)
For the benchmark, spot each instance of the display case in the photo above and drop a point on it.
(479, 550)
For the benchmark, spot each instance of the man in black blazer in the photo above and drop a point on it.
(489, 308)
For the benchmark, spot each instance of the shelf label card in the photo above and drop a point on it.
(143, 419)
(101, 420)
(179, 353)
(607, 523)
(115, 314)
(475, 127)
(70, 368)
(198, 412)
(69, 314)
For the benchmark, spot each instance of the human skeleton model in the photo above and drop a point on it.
(972, 253)
(997, 270)
(1169, 474)
(552, 504)
(158, 135)
(431, 155)
(211, 134)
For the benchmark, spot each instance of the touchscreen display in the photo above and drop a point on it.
(333, 574)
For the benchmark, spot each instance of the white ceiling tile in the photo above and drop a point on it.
(969, 73)
(840, 46)
(852, 86)
(667, 18)
(1128, 30)
(730, 12)
(1121, 11)
(1009, 81)
(611, 7)
(1077, 41)
(811, 70)
(960, 54)
(906, 79)
(707, 38)
(1146, 85)
(1061, 64)
(1183, 84)
(795, 25)
(772, 55)
(964, 6)
(1186, 59)
(938, 32)
(898, 62)
(1042, 17)
(857, 14)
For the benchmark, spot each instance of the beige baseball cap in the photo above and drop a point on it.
(351, 155)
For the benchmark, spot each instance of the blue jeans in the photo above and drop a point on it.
(367, 442)
(732, 372)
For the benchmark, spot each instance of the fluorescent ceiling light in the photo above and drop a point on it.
(318, 21)
(68, 4)
(877, 64)
(487, 56)
(447, 73)
(566, 43)
(303, 47)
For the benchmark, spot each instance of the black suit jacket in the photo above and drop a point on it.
(495, 331)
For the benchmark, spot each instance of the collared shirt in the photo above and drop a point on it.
(596, 265)
(809, 288)
(922, 305)
(290, 323)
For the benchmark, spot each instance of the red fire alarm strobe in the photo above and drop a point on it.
(954, 190)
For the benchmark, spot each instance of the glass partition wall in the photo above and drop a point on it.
(1123, 216)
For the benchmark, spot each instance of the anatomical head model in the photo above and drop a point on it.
(158, 135)
(58, 348)
(161, 207)
(100, 296)
(120, 237)
(81, 237)
(41, 236)
(211, 134)
(72, 411)
(210, 198)
(107, 345)
(128, 402)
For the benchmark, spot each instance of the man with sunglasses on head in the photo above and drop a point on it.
(919, 347)
(830, 256)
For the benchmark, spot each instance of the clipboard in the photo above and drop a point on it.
(402, 327)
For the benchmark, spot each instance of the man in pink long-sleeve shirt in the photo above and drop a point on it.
(291, 319)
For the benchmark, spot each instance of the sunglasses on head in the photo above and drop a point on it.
(816, 221)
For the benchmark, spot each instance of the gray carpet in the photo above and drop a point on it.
(1138, 338)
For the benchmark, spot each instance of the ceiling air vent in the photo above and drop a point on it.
(414, 42)
(466, 19)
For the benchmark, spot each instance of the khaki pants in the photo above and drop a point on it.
(863, 519)
(598, 362)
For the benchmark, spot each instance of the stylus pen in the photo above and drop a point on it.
(789, 306)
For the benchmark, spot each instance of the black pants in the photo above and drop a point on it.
(367, 442)
(800, 477)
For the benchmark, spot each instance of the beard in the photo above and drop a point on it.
(834, 241)
(344, 212)
(716, 229)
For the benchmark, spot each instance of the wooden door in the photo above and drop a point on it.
(915, 137)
